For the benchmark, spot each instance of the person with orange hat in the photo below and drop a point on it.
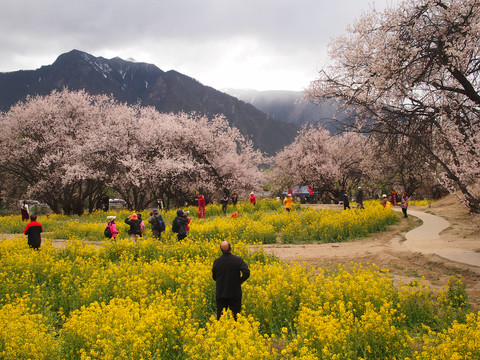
(135, 226)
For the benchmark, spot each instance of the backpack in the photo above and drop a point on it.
(175, 226)
(160, 225)
(108, 232)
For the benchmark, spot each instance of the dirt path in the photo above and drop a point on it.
(426, 239)
(435, 243)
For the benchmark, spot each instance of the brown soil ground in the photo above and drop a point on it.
(454, 252)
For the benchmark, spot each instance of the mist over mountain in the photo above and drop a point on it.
(290, 106)
(133, 82)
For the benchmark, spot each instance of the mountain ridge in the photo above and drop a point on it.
(133, 82)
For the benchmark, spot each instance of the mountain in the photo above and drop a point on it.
(290, 106)
(131, 82)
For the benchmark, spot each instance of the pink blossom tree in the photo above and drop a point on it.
(413, 71)
(68, 148)
(172, 156)
(44, 144)
(324, 161)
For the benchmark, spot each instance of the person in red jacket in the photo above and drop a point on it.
(201, 206)
(253, 199)
(33, 231)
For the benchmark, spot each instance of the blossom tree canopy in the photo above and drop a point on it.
(317, 158)
(413, 71)
(70, 147)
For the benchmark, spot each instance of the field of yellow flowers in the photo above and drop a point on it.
(156, 300)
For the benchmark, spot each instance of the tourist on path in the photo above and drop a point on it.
(404, 204)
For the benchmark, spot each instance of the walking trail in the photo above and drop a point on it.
(426, 239)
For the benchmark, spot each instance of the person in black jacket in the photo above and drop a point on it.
(33, 231)
(359, 198)
(229, 272)
(135, 226)
(182, 221)
(224, 202)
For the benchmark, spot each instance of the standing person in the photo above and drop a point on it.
(142, 224)
(224, 202)
(288, 202)
(160, 203)
(344, 197)
(404, 204)
(112, 226)
(157, 223)
(394, 197)
(385, 203)
(229, 272)
(135, 227)
(310, 194)
(180, 224)
(234, 199)
(33, 231)
(253, 199)
(359, 198)
(341, 194)
(24, 210)
(106, 203)
(201, 206)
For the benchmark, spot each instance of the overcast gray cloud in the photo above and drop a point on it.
(258, 44)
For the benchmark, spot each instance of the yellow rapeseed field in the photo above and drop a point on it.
(156, 300)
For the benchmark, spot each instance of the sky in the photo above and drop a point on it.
(239, 44)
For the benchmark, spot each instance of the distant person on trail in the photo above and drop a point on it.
(253, 199)
(157, 223)
(24, 210)
(404, 204)
(135, 227)
(394, 197)
(385, 203)
(359, 198)
(288, 202)
(344, 197)
(229, 272)
(33, 231)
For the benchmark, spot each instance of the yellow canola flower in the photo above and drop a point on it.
(155, 299)
(229, 339)
(25, 334)
(460, 341)
(123, 329)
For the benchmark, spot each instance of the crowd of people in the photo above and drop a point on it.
(181, 223)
